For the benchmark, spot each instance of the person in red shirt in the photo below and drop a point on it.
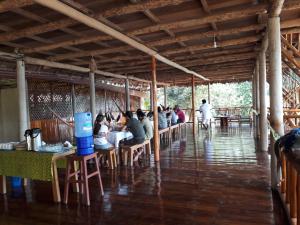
(180, 114)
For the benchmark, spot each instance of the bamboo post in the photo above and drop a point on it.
(208, 93)
(155, 112)
(298, 199)
(92, 89)
(165, 97)
(263, 121)
(283, 169)
(257, 97)
(276, 101)
(21, 87)
(127, 95)
(288, 182)
(193, 105)
(293, 194)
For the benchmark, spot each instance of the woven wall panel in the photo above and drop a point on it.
(57, 96)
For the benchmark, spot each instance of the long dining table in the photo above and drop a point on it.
(33, 165)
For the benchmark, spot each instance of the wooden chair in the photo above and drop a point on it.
(83, 175)
(111, 156)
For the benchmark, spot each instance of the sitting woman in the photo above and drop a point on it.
(100, 134)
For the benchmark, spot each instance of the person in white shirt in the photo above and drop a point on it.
(206, 113)
(100, 134)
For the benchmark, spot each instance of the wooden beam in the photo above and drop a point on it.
(63, 23)
(246, 40)
(276, 8)
(75, 14)
(155, 112)
(196, 62)
(7, 5)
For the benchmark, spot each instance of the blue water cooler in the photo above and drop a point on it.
(84, 133)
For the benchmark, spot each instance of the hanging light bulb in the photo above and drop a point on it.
(215, 42)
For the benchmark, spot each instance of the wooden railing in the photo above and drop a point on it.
(290, 184)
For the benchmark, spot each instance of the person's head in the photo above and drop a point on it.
(168, 108)
(138, 110)
(100, 118)
(129, 115)
(158, 109)
(203, 101)
(140, 114)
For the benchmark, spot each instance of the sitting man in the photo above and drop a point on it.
(162, 119)
(146, 124)
(137, 130)
(180, 114)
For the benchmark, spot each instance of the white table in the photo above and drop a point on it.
(114, 137)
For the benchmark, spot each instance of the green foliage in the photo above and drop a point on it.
(222, 95)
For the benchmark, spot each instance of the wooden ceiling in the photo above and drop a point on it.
(218, 39)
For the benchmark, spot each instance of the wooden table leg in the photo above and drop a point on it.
(75, 186)
(2, 184)
(55, 183)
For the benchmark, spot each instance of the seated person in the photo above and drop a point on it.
(174, 117)
(180, 114)
(136, 128)
(100, 134)
(146, 124)
(162, 119)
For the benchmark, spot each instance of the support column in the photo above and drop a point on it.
(257, 107)
(208, 93)
(151, 97)
(155, 113)
(254, 101)
(165, 97)
(127, 95)
(193, 105)
(276, 101)
(73, 100)
(92, 89)
(21, 85)
(263, 123)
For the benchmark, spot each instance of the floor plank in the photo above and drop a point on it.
(216, 178)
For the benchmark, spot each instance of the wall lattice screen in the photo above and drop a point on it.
(57, 96)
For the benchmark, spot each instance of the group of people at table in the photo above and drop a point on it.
(140, 125)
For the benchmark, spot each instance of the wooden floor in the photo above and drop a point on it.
(218, 179)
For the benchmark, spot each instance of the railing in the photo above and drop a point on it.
(290, 184)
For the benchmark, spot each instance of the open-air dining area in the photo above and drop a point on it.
(149, 112)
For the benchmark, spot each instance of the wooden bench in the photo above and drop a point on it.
(175, 131)
(128, 151)
(164, 133)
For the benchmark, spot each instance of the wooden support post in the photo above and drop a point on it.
(298, 199)
(293, 194)
(3, 185)
(208, 93)
(165, 97)
(92, 89)
(254, 101)
(21, 86)
(151, 98)
(263, 123)
(155, 112)
(73, 94)
(257, 98)
(276, 101)
(127, 95)
(193, 105)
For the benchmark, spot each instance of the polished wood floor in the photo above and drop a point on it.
(215, 179)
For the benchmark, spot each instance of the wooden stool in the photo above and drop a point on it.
(148, 147)
(111, 155)
(83, 175)
(127, 151)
